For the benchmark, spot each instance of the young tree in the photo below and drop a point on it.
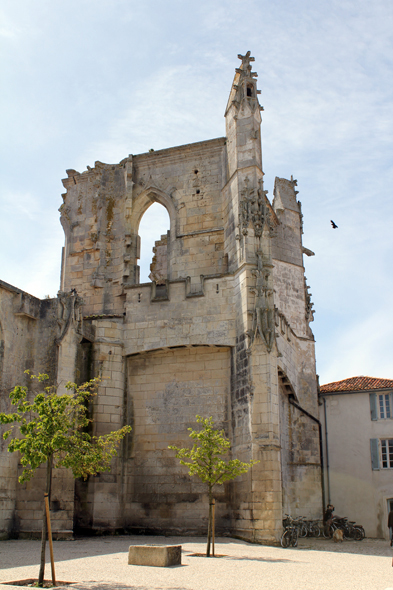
(205, 461)
(52, 429)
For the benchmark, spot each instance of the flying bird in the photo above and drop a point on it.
(334, 226)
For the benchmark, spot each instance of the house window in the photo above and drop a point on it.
(381, 406)
(384, 406)
(387, 453)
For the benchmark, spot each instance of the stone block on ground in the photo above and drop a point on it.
(154, 555)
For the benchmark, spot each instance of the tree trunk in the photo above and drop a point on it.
(209, 526)
(44, 523)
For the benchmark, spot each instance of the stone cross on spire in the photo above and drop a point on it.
(246, 69)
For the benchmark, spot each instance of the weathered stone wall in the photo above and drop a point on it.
(103, 208)
(99, 500)
(166, 390)
(183, 318)
(159, 264)
(28, 331)
(30, 504)
(301, 473)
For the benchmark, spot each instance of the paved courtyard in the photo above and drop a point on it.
(101, 564)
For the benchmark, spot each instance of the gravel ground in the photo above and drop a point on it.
(101, 564)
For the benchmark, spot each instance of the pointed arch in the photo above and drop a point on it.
(148, 196)
(153, 235)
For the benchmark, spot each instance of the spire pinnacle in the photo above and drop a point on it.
(245, 68)
(245, 84)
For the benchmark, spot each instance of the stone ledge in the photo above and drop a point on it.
(154, 555)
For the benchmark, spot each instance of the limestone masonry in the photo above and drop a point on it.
(222, 330)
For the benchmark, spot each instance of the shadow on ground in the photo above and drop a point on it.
(106, 586)
(365, 547)
(102, 586)
(21, 553)
(266, 559)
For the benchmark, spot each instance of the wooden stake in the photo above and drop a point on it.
(50, 539)
(213, 524)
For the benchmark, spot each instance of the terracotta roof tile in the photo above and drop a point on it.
(360, 383)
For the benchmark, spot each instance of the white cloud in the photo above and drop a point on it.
(9, 30)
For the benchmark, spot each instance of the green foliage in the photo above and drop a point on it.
(55, 426)
(204, 459)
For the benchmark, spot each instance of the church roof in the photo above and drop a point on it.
(360, 383)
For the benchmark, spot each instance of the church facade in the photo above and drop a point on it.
(222, 330)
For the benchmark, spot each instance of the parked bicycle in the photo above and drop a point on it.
(291, 532)
(310, 528)
(350, 529)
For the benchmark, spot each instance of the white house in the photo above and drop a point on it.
(357, 425)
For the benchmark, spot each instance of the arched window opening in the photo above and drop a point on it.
(153, 230)
(249, 90)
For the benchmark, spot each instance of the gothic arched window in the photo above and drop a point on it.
(153, 230)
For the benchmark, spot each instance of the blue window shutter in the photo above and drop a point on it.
(373, 406)
(374, 447)
(391, 405)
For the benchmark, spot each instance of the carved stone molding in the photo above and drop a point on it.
(254, 211)
(309, 312)
(69, 312)
(264, 314)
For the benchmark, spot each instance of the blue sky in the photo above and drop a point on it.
(92, 80)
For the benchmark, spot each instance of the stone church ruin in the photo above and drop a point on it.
(222, 330)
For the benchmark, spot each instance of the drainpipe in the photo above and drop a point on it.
(320, 446)
(327, 451)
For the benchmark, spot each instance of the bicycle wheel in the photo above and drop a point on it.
(359, 533)
(286, 538)
(294, 537)
(302, 530)
(315, 530)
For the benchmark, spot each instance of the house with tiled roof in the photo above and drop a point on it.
(357, 426)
